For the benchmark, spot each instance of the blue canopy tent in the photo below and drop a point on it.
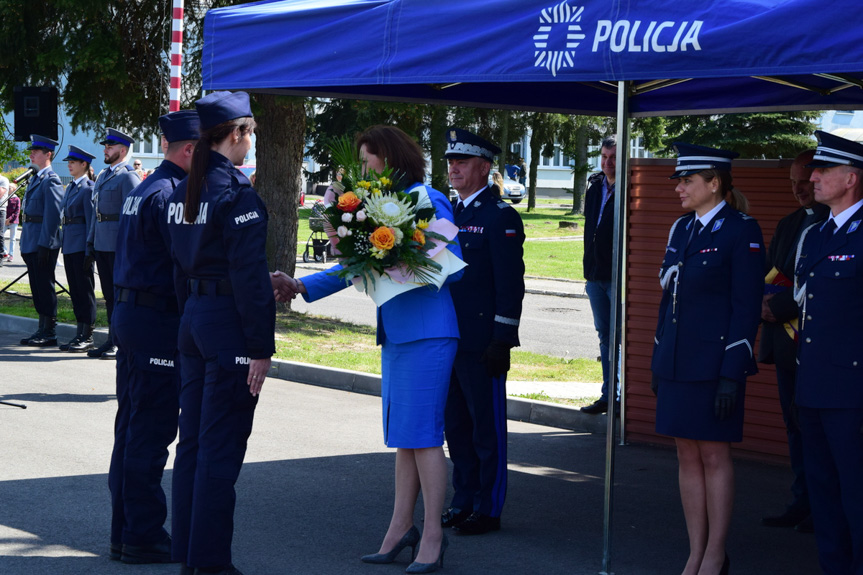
(627, 58)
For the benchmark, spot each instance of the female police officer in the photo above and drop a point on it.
(218, 228)
(76, 214)
(712, 278)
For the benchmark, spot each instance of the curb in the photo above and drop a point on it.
(517, 409)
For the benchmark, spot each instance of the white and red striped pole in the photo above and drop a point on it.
(176, 55)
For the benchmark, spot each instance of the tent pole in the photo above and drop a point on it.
(621, 191)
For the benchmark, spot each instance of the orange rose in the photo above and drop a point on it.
(419, 237)
(348, 202)
(383, 238)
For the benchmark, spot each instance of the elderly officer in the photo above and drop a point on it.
(112, 186)
(40, 238)
(488, 306)
(778, 343)
(145, 324)
(828, 285)
(77, 213)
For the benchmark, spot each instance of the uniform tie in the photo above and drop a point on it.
(696, 229)
(459, 208)
(830, 226)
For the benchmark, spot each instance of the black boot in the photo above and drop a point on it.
(85, 339)
(37, 333)
(65, 346)
(49, 334)
(105, 351)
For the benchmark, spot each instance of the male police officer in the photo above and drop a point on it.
(76, 214)
(598, 244)
(828, 286)
(488, 306)
(778, 345)
(40, 238)
(145, 325)
(112, 186)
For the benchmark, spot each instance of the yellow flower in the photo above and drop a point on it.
(364, 184)
(348, 202)
(422, 224)
(385, 182)
(383, 238)
(376, 192)
(419, 237)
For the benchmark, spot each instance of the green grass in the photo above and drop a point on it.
(542, 396)
(560, 259)
(543, 223)
(529, 366)
(12, 304)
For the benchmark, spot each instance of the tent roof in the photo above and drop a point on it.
(721, 55)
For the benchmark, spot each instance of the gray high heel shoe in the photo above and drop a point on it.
(430, 567)
(411, 538)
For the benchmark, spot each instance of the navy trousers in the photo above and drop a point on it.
(146, 422)
(42, 282)
(786, 382)
(81, 287)
(105, 266)
(215, 423)
(833, 454)
(475, 426)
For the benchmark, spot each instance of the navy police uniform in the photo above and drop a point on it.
(228, 317)
(146, 321)
(828, 286)
(488, 302)
(113, 184)
(76, 213)
(40, 242)
(708, 317)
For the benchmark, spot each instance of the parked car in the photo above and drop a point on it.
(512, 190)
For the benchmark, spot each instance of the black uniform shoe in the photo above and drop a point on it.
(595, 408)
(110, 353)
(48, 337)
(452, 517)
(477, 524)
(35, 334)
(805, 526)
(85, 340)
(97, 352)
(787, 519)
(115, 551)
(156, 553)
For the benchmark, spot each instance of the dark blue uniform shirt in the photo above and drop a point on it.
(143, 243)
(227, 242)
(76, 210)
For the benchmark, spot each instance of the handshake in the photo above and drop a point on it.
(285, 288)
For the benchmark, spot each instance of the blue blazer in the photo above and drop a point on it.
(421, 313)
(42, 199)
(77, 205)
(830, 351)
(112, 187)
(710, 331)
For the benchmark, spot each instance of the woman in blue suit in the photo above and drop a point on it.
(418, 333)
(77, 212)
(712, 278)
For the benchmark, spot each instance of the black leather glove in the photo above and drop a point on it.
(44, 256)
(496, 358)
(654, 383)
(726, 398)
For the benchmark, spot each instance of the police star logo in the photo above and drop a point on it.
(557, 37)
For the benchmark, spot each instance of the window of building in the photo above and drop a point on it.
(557, 160)
(148, 146)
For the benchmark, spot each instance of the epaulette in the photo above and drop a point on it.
(503, 205)
(595, 177)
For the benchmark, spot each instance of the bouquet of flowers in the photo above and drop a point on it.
(386, 238)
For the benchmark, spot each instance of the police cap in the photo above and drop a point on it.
(114, 136)
(692, 159)
(76, 153)
(220, 107)
(462, 144)
(834, 150)
(42, 143)
(180, 126)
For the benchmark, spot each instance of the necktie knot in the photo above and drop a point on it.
(830, 226)
(459, 208)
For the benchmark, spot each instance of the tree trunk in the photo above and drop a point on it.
(504, 142)
(281, 137)
(437, 149)
(536, 145)
(579, 171)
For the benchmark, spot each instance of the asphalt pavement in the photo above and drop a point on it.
(316, 490)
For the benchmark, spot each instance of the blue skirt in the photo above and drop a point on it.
(685, 409)
(414, 387)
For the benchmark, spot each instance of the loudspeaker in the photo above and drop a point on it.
(35, 112)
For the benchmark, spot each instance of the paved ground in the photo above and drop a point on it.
(316, 490)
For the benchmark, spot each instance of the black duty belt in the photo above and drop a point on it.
(107, 218)
(210, 287)
(32, 219)
(78, 220)
(146, 299)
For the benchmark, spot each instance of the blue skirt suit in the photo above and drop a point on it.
(418, 333)
(708, 318)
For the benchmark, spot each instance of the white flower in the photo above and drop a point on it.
(399, 236)
(347, 217)
(342, 231)
(388, 210)
(361, 216)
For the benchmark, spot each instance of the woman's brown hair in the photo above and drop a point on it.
(398, 150)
